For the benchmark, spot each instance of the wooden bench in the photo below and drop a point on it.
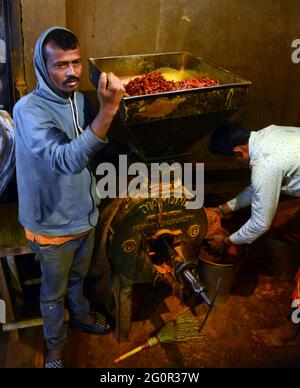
(12, 243)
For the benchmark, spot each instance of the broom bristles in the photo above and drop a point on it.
(183, 327)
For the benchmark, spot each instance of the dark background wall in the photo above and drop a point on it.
(252, 38)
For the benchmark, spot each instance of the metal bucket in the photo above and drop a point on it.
(283, 258)
(210, 272)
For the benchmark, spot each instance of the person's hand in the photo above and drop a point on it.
(218, 243)
(224, 211)
(110, 93)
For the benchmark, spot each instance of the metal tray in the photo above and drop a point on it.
(229, 95)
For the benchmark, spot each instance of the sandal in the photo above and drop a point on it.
(55, 364)
(100, 327)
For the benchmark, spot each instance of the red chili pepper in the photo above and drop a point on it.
(154, 82)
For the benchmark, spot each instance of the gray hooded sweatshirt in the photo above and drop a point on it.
(54, 144)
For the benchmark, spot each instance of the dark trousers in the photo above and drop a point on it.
(63, 268)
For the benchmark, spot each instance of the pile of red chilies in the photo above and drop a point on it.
(154, 82)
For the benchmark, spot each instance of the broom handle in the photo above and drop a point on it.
(150, 342)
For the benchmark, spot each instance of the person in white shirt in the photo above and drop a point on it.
(273, 155)
(2, 51)
(2, 41)
(7, 150)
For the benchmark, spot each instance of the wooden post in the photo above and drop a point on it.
(4, 292)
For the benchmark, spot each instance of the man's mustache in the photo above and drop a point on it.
(71, 79)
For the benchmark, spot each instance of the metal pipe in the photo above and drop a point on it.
(196, 285)
(28, 323)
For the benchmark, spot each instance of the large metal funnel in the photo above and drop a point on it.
(169, 123)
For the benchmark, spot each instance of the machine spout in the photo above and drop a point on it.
(195, 284)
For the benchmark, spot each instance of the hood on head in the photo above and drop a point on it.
(44, 81)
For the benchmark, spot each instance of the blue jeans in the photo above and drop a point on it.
(63, 268)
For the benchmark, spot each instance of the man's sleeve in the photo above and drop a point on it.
(7, 150)
(2, 142)
(42, 138)
(241, 200)
(266, 186)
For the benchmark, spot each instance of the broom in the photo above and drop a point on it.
(183, 327)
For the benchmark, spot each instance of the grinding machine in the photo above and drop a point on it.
(146, 238)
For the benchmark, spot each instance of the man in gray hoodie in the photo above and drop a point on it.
(56, 137)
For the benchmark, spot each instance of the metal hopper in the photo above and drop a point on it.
(168, 123)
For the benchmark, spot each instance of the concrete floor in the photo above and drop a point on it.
(258, 301)
(227, 336)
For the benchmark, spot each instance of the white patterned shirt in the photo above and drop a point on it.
(274, 154)
(7, 149)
